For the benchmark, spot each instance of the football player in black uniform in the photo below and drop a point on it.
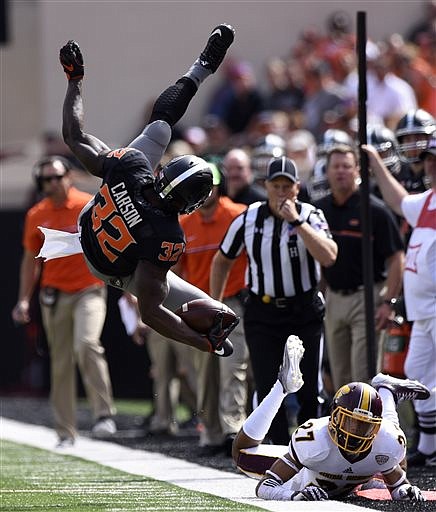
(413, 132)
(130, 234)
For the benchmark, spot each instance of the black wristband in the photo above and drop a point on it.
(296, 222)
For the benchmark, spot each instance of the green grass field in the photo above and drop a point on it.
(38, 480)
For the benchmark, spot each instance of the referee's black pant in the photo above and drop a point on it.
(266, 331)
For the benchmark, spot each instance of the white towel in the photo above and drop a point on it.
(58, 244)
(129, 315)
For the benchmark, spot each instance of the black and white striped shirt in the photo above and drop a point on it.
(279, 264)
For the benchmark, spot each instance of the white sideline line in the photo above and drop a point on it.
(161, 467)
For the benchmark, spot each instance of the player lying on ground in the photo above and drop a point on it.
(129, 232)
(329, 457)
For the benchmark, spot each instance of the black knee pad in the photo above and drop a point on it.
(173, 102)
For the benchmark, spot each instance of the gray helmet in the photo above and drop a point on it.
(385, 142)
(419, 123)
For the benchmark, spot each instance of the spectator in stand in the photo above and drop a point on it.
(408, 64)
(283, 94)
(322, 94)
(345, 325)
(222, 384)
(241, 98)
(239, 178)
(218, 137)
(389, 96)
(426, 25)
(73, 305)
(285, 242)
(419, 289)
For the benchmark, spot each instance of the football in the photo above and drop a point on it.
(200, 314)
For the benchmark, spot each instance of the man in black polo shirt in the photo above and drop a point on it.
(345, 306)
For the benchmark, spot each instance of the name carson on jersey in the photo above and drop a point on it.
(125, 204)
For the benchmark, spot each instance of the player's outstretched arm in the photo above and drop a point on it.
(393, 192)
(271, 485)
(400, 488)
(84, 146)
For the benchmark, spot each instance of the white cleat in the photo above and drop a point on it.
(290, 375)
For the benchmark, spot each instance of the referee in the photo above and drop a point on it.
(286, 242)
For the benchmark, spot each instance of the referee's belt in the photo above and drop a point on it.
(348, 291)
(283, 302)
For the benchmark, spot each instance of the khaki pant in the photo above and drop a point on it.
(222, 386)
(170, 360)
(73, 327)
(345, 331)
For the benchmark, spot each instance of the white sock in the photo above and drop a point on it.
(389, 407)
(427, 443)
(257, 424)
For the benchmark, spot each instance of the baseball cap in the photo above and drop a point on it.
(430, 149)
(284, 167)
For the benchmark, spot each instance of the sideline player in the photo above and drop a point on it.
(329, 457)
(419, 281)
(129, 232)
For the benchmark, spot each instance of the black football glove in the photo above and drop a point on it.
(217, 336)
(72, 60)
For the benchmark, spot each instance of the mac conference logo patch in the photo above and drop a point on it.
(381, 459)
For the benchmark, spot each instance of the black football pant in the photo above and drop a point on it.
(266, 330)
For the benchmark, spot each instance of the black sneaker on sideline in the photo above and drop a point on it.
(217, 45)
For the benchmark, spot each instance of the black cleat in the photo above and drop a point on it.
(402, 389)
(217, 45)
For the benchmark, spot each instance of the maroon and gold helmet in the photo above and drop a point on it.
(355, 417)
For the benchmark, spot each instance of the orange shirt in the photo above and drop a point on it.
(69, 274)
(203, 238)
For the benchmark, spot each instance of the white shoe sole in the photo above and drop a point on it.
(294, 377)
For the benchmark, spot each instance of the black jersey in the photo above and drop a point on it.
(345, 225)
(414, 183)
(122, 227)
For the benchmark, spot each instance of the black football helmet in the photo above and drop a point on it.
(385, 142)
(265, 148)
(413, 132)
(333, 137)
(355, 417)
(185, 183)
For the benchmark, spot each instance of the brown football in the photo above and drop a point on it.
(200, 314)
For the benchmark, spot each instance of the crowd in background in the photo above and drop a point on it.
(305, 106)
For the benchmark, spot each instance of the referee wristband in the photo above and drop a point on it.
(296, 222)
